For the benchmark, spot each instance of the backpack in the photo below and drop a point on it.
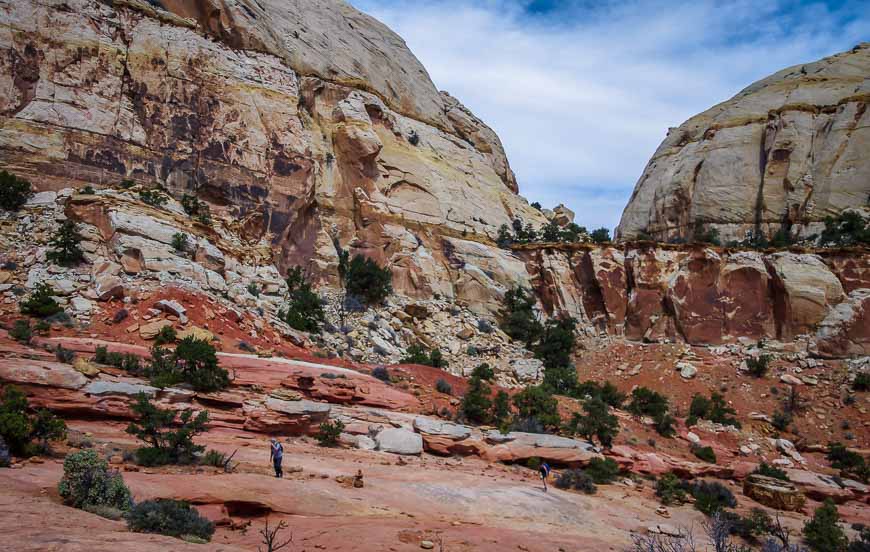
(544, 469)
(278, 451)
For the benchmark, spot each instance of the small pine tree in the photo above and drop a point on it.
(304, 310)
(14, 191)
(329, 433)
(179, 242)
(41, 302)
(504, 239)
(368, 281)
(598, 422)
(601, 235)
(476, 404)
(165, 445)
(554, 349)
(823, 533)
(551, 232)
(65, 245)
(198, 363)
(536, 403)
(501, 409)
(517, 317)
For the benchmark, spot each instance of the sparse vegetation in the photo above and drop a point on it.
(646, 402)
(847, 229)
(41, 302)
(21, 331)
(304, 310)
(179, 242)
(597, 422)
(484, 372)
(670, 490)
(173, 518)
(767, 470)
(166, 335)
(64, 355)
(850, 463)
(270, 537)
(19, 429)
(823, 532)
(714, 409)
(14, 191)
(88, 482)
(519, 233)
(381, 373)
(417, 354)
(501, 410)
(861, 383)
(602, 470)
(606, 391)
(758, 366)
(536, 406)
(193, 361)
(517, 317)
(577, 480)
(154, 198)
(600, 235)
(443, 387)
(197, 209)
(781, 420)
(363, 278)
(165, 445)
(711, 496)
(704, 453)
(253, 289)
(329, 433)
(554, 349)
(476, 406)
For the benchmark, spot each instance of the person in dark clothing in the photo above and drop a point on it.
(276, 456)
(545, 473)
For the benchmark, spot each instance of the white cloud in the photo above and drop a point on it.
(581, 96)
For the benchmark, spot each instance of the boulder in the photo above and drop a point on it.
(197, 333)
(687, 370)
(172, 307)
(399, 441)
(845, 331)
(126, 388)
(445, 446)
(562, 215)
(151, 329)
(80, 305)
(86, 367)
(527, 370)
(107, 286)
(774, 493)
(445, 429)
(39, 372)
(519, 447)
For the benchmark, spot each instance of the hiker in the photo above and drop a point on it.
(276, 456)
(545, 473)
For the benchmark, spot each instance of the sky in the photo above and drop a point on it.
(581, 92)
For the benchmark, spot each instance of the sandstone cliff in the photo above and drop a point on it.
(303, 122)
(787, 151)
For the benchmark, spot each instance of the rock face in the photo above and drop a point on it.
(775, 493)
(785, 152)
(305, 123)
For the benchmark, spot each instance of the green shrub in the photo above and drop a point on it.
(329, 433)
(501, 410)
(196, 208)
(554, 349)
(154, 198)
(179, 242)
(758, 366)
(848, 228)
(476, 404)
(304, 310)
(194, 361)
(705, 453)
(363, 278)
(214, 458)
(14, 191)
(87, 482)
(104, 511)
(381, 373)
(597, 422)
(850, 463)
(781, 420)
(173, 518)
(757, 524)
(534, 463)
(166, 335)
(21, 331)
(417, 354)
(88, 190)
(41, 302)
(714, 409)
(18, 428)
(767, 470)
(823, 532)
(602, 470)
(64, 355)
(64, 244)
(669, 489)
(443, 387)
(664, 424)
(861, 382)
(536, 404)
(577, 480)
(600, 235)
(165, 445)
(484, 372)
(711, 496)
(127, 183)
(646, 402)
(606, 391)
(517, 317)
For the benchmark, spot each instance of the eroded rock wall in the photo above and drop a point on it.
(706, 295)
(785, 152)
(302, 124)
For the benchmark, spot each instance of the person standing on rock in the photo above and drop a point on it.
(276, 456)
(545, 473)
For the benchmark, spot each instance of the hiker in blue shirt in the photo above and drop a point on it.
(545, 473)
(276, 456)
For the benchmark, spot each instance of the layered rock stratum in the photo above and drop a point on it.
(307, 123)
(785, 152)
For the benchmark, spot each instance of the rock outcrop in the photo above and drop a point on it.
(302, 124)
(785, 152)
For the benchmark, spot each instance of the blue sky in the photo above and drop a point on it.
(581, 92)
